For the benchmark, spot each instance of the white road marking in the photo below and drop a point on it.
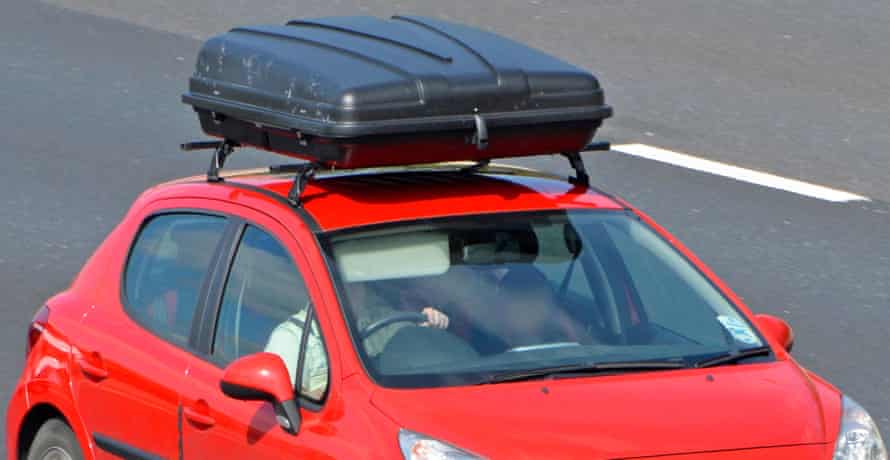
(741, 174)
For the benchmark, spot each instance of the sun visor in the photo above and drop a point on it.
(392, 256)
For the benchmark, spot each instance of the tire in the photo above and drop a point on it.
(54, 441)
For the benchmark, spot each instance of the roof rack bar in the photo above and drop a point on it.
(199, 145)
(581, 177)
(597, 146)
(294, 197)
(287, 168)
(222, 152)
(477, 166)
(305, 172)
(223, 149)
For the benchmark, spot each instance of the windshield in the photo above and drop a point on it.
(455, 301)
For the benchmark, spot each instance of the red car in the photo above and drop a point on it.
(452, 310)
(576, 328)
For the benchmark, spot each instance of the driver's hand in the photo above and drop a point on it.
(435, 318)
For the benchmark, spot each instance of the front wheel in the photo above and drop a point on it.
(54, 441)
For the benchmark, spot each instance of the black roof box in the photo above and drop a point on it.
(363, 91)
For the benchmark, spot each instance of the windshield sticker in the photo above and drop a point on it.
(739, 330)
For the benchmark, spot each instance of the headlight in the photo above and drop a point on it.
(416, 446)
(859, 438)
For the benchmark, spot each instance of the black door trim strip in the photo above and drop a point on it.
(122, 450)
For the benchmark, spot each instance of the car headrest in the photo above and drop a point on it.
(524, 277)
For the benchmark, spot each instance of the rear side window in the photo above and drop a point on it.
(168, 265)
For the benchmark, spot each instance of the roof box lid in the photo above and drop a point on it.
(344, 77)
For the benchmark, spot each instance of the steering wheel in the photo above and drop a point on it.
(400, 317)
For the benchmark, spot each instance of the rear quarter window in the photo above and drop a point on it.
(168, 265)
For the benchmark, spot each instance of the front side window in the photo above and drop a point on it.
(456, 300)
(264, 308)
(167, 267)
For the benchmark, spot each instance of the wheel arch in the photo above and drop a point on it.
(34, 419)
(39, 412)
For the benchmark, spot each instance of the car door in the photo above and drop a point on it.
(266, 289)
(132, 351)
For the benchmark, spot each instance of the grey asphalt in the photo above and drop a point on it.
(90, 116)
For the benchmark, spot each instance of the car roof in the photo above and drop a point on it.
(353, 198)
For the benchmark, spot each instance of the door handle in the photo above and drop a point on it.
(92, 366)
(199, 415)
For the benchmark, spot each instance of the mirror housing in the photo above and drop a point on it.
(263, 377)
(777, 329)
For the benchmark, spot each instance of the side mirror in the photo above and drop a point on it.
(777, 329)
(263, 377)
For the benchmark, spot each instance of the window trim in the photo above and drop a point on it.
(210, 310)
(301, 358)
(190, 344)
(213, 300)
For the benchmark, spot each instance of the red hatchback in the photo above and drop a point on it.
(440, 311)
(493, 313)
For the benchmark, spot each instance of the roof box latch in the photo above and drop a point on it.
(480, 139)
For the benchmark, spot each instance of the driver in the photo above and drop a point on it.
(369, 308)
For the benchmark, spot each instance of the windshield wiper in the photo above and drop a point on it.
(734, 356)
(578, 370)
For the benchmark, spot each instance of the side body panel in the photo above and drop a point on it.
(46, 377)
(46, 381)
(126, 380)
(134, 399)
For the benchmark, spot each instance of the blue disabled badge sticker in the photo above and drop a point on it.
(740, 331)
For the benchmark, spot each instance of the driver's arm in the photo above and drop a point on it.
(375, 343)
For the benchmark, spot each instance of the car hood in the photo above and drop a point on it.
(622, 416)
